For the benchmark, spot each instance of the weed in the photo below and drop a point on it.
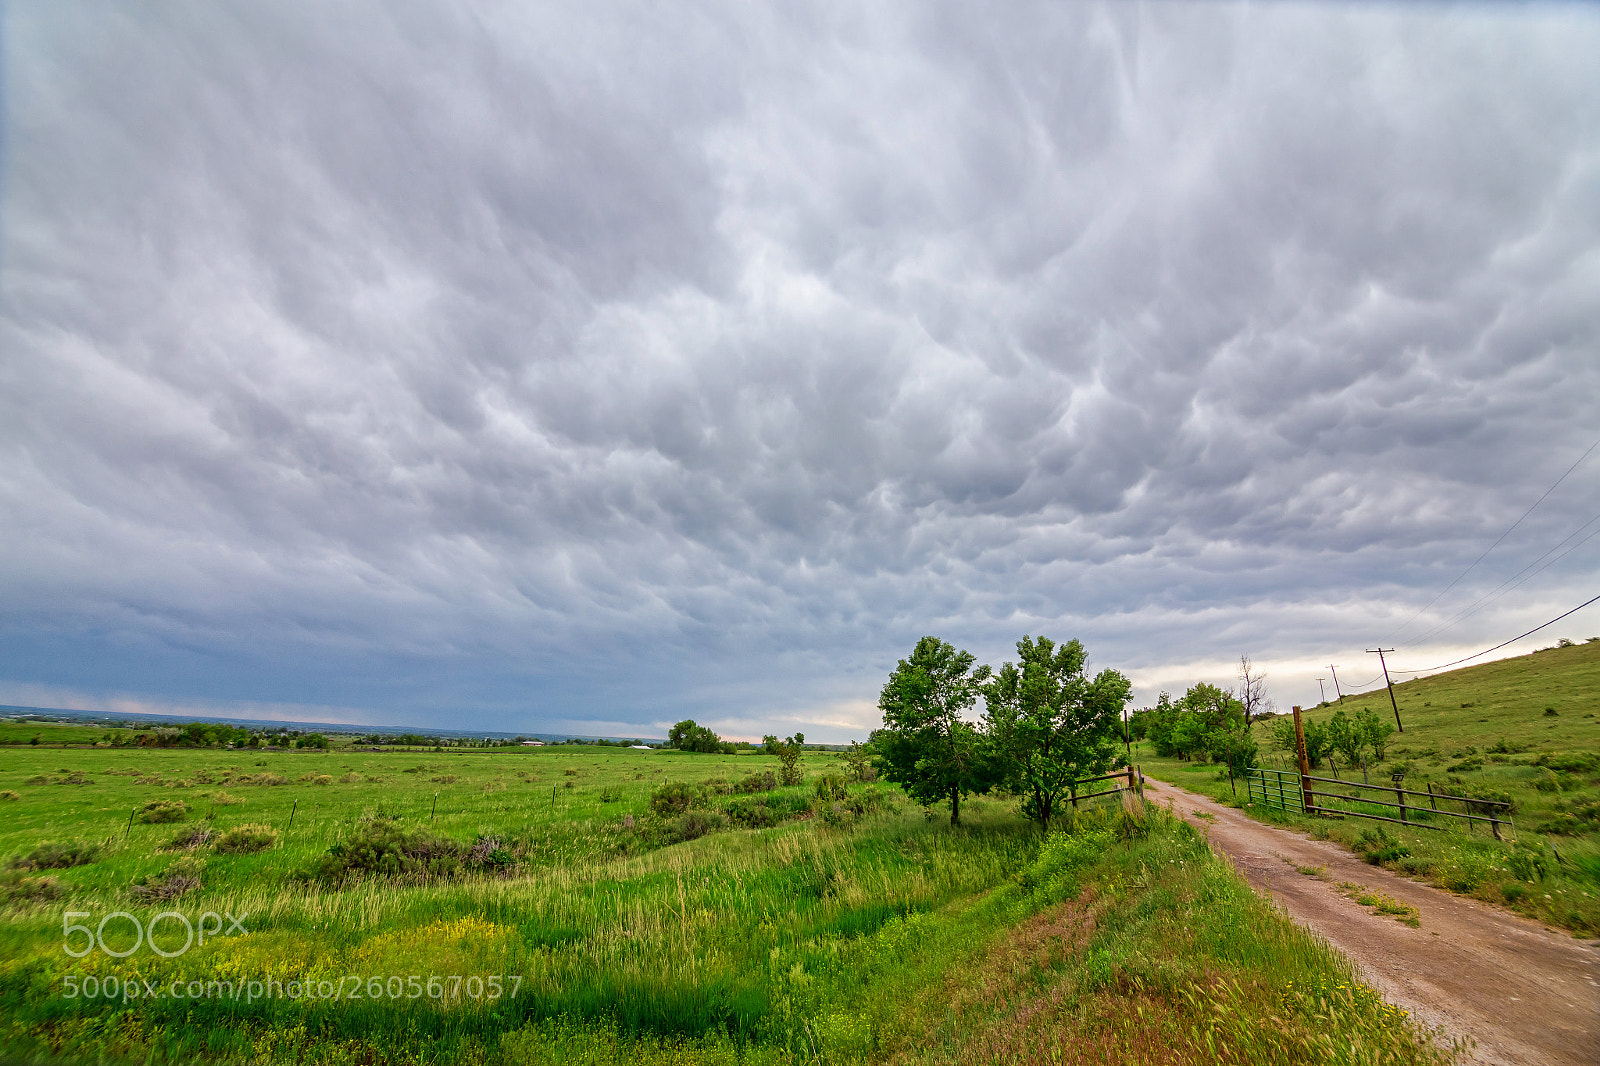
(181, 877)
(194, 837)
(158, 811)
(57, 856)
(246, 839)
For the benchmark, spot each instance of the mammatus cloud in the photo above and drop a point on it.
(600, 365)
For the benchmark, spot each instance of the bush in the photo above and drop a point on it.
(670, 800)
(1546, 780)
(829, 788)
(1572, 762)
(694, 824)
(1376, 846)
(158, 811)
(8, 796)
(490, 853)
(381, 847)
(181, 877)
(49, 856)
(15, 889)
(246, 839)
(194, 837)
(759, 781)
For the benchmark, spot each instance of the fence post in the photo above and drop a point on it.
(1130, 777)
(1306, 803)
(1431, 803)
(1399, 793)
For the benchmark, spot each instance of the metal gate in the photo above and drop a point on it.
(1274, 788)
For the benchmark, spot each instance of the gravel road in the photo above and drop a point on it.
(1525, 994)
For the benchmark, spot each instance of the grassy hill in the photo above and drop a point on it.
(1528, 726)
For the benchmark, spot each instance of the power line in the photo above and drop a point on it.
(1513, 640)
(1498, 540)
(1520, 577)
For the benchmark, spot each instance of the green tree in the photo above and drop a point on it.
(1204, 714)
(1346, 737)
(687, 736)
(1049, 725)
(1157, 723)
(1375, 731)
(789, 752)
(858, 761)
(926, 745)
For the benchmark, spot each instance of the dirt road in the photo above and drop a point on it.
(1527, 995)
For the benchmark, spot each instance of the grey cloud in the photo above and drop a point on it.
(555, 359)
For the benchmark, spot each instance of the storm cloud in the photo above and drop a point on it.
(590, 366)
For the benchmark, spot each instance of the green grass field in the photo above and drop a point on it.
(1528, 727)
(851, 929)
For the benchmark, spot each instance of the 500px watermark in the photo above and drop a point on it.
(350, 986)
(208, 924)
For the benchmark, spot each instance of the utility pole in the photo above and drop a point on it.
(1334, 670)
(1322, 690)
(1379, 652)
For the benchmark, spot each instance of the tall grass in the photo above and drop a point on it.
(895, 936)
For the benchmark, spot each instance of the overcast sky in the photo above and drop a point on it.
(590, 366)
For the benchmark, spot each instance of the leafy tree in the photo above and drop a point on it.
(926, 745)
(687, 736)
(1157, 723)
(1346, 737)
(1049, 725)
(858, 762)
(789, 752)
(1204, 713)
(1317, 741)
(1375, 731)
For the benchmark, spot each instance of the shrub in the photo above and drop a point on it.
(223, 799)
(317, 779)
(381, 847)
(49, 856)
(193, 837)
(759, 781)
(694, 824)
(610, 794)
(246, 839)
(350, 778)
(158, 811)
(8, 796)
(1546, 780)
(1376, 846)
(16, 889)
(829, 788)
(489, 853)
(181, 877)
(1572, 762)
(671, 800)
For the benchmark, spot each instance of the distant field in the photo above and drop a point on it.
(852, 929)
(1486, 726)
